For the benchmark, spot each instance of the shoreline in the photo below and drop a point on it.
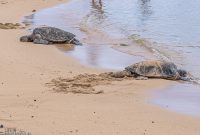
(29, 105)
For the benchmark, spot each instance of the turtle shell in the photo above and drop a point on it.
(54, 35)
(155, 69)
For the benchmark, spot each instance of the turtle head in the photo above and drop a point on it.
(26, 38)
(76, 42)
(182, 73)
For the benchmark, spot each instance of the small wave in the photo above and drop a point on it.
(195, 81)
(149, 46)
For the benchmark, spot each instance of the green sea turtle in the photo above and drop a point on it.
(153, 69)
(50, 35)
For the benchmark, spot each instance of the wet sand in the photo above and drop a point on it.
(27, 103)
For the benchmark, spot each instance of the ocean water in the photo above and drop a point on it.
(117, 33)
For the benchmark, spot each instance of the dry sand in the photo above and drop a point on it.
(27, 103)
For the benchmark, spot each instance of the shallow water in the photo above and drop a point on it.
(182, 98)
(141, 29)
(103, 57)
(153, 29)
(97, 50)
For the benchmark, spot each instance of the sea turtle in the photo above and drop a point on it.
(153, 69)
(50, 35)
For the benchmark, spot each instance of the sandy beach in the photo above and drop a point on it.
(27, 103)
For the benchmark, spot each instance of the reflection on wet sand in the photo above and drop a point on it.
(101, 56)
(29, 20)
(97, 13)
(96, 50)
(95, 5)
(96, 16)
(145, 10)
(65, 47)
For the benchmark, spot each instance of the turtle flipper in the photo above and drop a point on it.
(26, 38)
(75, 41)
(41, 41)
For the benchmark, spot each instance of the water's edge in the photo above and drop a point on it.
(111, 52)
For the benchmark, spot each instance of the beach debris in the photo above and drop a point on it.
(11, 26)
(157, 69)
(34, 10)
(122, 44)
(50, 35)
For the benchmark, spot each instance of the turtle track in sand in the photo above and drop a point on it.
(83, 83)
(11, 26)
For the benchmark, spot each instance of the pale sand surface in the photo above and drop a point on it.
(121, 109)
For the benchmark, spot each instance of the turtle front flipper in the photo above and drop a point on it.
(26, 38)
(75, 42)
(41, 41)
(121, 74)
